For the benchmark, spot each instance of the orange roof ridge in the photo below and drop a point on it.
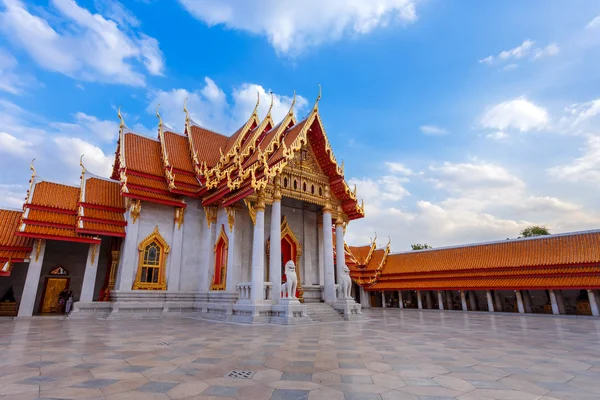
(130, 132)
(496, 242)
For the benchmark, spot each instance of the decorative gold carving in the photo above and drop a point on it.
(135, 210)
(178, 218)
(277, 188)
(31, 182)
(375, 278)
(38, 249)
(230, 217)
(327, 207)
(251, 211)
(160, 284)
(115, 254)
(222, 238)
(121, 140)
(94, 251)
(211, 215)
(170, 177)
(260, 202)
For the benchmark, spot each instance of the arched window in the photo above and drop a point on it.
(152, 261)
(221, 247)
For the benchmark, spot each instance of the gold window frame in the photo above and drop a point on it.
(155, 236)
(223, 284)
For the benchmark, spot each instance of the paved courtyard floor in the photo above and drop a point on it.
(393, 355)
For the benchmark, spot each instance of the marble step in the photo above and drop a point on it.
(322, 312)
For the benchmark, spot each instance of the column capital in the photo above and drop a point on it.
(260, 201)
(277, 188)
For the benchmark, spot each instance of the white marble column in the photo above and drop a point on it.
(400, 303)
(32, 280)
(520, 302)
(89, 275)
(490, 301)
(365, 299)
(321, 253)
(428, 300)
(174, 267)
(498, 299)
(440, 300)
(419, 300)
(275, 246)
(258, 252)
(593, 303)
(207, 262)
(472, 300)
(383, 300)
(340, 258)
(129, 251)
(329, 289)
(463, 300)
(449, 304)
(553, 302)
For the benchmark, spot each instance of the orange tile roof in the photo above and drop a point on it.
(147, 182)
(103, 192)
(51, 231)
(208, 144)
(290, 135)
(51, 217)
(9, 224)
(55, 195)
(102, 228)
(156, 196)
(142, 154)
(577, 248)
(103, 214)
(178, 151)
(14, 255)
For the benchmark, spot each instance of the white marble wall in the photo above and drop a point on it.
(194, 246)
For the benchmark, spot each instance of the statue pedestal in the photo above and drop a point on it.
(349, 307)
(289, 312)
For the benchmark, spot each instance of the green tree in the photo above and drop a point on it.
(535, 230)
(420, 246)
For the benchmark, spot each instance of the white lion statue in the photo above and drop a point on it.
(346, 283)
(291, 279)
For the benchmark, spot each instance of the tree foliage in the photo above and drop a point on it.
(535, 230)
(419, 246)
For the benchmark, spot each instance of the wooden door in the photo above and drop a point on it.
(51, 292)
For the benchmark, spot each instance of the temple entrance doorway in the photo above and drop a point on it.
(290, 250)
(54, 285)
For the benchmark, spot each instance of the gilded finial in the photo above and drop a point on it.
(293, 103)
(121, 120)
(81, 164)
(316, 107)
(271, 106)
(160, 121)
(342, 166)
(257, 103)
(32, 168)
(187, 114)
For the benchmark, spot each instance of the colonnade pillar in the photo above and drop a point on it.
(174, 269)
(275, 247)
(449, 300)
(561, 302)
(463, 300)
(553, 302)
(593, 303)
(428, 299)
(89, 275)
(472, 300)
(129, 250)
(440, 300)
(33, 278)
(258, 254)
(526, 300)
(208, 261)
(498, 306)
(400, 303)
(419, 300)
(329, 289)
(340, 259)
(383, 305)
(520, 302)
(490, 301)
(365, 299)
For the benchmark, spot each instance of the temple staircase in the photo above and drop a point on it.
(323, 312)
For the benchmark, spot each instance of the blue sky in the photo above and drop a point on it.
(459, 121)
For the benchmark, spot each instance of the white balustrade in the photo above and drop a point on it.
(245, 291)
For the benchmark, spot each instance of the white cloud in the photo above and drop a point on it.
(210, 107)
(94, 158)
(12, 81)
(584, 111)
(519, 114)
(585, 168)
(498, 135)
(432, 130)
(11, 145)
(510, 67)
(399, 168)
(89, 126)
(13, 195)
(524, 50)
(291, 26)
(595, 23)
(80, 44)
(548, 51)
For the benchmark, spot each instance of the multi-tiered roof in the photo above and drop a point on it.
(221, 170)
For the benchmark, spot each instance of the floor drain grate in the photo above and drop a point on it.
(239, 374)
(166, 343)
